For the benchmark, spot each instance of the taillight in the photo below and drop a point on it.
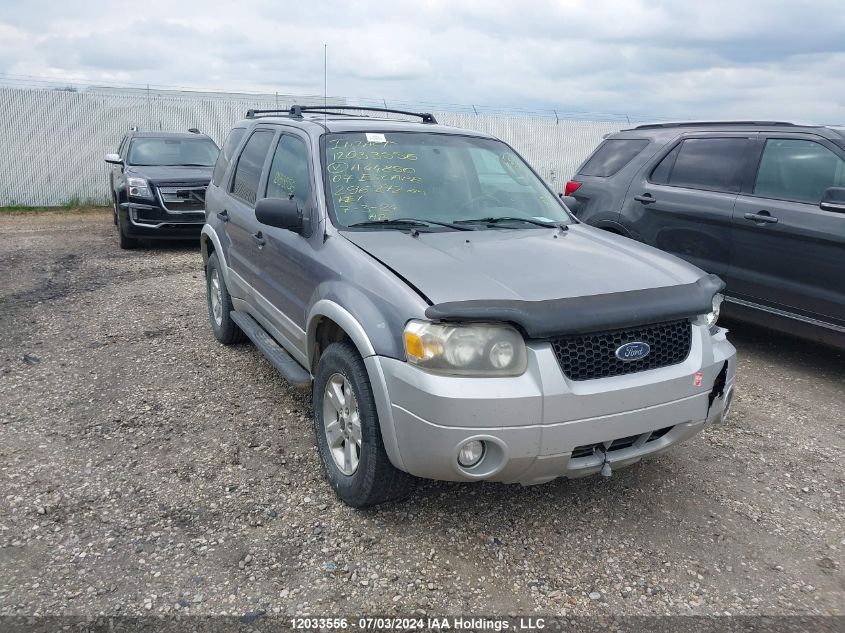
(571, 187)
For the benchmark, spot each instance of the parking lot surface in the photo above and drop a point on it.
(147, 469)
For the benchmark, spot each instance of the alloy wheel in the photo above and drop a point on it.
(342, 423)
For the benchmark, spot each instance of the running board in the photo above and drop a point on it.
(278, 357)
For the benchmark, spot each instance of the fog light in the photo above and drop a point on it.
(471, 453)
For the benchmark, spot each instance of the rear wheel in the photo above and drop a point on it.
(220, 305)
(348, 434)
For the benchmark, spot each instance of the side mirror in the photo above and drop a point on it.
(114, 159)
(279, 212)
(570, 202)
(833, 199)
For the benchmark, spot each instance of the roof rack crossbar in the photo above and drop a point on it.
(647, 126)
(251, 114)
(297, 111)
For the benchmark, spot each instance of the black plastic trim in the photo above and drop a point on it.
(578, 315)
(278, 357)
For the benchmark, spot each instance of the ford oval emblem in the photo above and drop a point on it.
(635, 350)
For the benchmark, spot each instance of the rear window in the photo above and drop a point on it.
(704, 163)
(226, 153)
(612, 155)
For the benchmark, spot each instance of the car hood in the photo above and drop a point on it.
(522, 265)
(167, 175)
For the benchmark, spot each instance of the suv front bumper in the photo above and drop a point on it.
(153, 221)
(541, 425)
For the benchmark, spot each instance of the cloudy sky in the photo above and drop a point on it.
(662, 58)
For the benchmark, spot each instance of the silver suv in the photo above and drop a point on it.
(451, 318)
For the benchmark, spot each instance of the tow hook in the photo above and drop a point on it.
(606, 470)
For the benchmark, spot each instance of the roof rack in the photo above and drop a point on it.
(647, 126)
(297, 111)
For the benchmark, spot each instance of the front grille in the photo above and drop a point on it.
(587, 356)
(154, 216)
(182, 198)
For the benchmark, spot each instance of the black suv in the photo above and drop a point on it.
(158, 182)
(759, 203)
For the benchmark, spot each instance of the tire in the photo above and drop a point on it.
(373, 479)
(220, 305)
(126, 242)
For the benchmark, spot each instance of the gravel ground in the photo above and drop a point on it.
(148, 469)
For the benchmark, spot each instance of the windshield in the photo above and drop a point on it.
(433, 177)
(201, 152)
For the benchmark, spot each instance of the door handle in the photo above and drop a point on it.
(223, 215)
(762, 216)
(258, 238)
(645, 198)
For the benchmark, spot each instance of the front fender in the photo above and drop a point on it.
(329, 309)
(325, 308)
(375, 315)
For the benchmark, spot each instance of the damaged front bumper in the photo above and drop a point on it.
(542, 425)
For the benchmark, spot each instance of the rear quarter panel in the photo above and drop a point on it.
(600, 199)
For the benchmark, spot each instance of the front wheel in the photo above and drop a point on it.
(126, 242)
(348, 434)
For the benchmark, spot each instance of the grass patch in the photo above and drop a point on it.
(24, 209)
(75, 205)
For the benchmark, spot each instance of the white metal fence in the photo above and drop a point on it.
(52, 142)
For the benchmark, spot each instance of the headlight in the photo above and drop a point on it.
(138, 188)
(475, 349)
(711, 317)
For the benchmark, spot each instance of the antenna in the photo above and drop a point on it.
(325, 80)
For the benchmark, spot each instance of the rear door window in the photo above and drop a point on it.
(704, 163)
(225, 156)
(250, 164)
(661, 173)
(798, 170)
(612, 155)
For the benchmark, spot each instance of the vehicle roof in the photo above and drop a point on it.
(672, 128)
(319, 124)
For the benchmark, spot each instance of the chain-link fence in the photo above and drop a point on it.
(53, 141)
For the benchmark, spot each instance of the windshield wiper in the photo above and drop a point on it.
(407, 222)
(507, 218)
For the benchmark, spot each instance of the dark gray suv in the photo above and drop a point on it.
(759, 203)
(449, 316)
